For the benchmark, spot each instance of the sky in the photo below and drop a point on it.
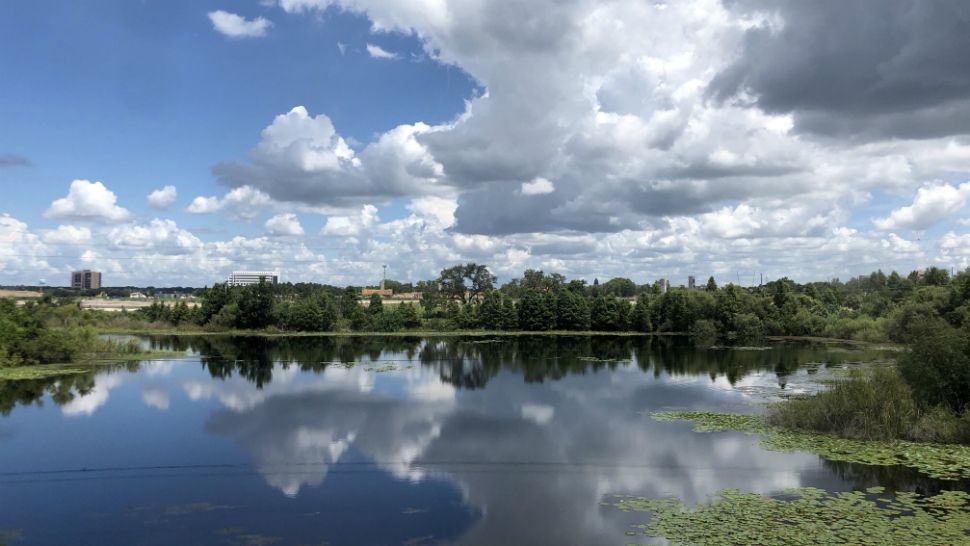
(169, 142)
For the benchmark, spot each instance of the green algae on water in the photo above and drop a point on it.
(808, 516)
(941, 461)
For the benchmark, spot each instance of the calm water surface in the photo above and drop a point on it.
(249, 441)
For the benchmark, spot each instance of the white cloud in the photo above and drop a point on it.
(162, 236)
(88, 201)
(284, 225)
(244, 203)
(67, 235)
(236, 26)
(155, 397)
(351, 225)
(440, 211)
(204, 205)
(538, 186)
(932, 204)
(162, 198)
(378, 52)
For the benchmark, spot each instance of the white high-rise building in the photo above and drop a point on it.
(244, 278)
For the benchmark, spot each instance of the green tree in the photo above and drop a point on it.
(376, 305)
(937, 366)
(349, 301)
(572, 311)
(409, 316)
(537, 311)
(361, 320)
(255, 307)
(640, 318)
(490, 313)
(510, 315)
(711, 284)
(464, 282)
(213, 300)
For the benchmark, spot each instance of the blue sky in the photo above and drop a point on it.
(326, 137)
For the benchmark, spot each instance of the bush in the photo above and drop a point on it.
(873, 405)
(704, 333)
(937, 366)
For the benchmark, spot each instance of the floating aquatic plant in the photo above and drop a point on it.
(808, 516)
(942, 461)
(385, 368)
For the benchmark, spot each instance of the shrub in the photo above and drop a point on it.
(873, 405)
(937, 366)
(704, 333)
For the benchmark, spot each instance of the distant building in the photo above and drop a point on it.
(691, 282)
(86, 280)
(138, 296)
(664, 285)
(384, 293)
(245, 278)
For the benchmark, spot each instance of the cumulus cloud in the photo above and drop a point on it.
(611, 101)
(162, 236)
(302, 159)
(236, 26)
(378, 52)
(67, 235)
(88, 201)
(538, 186)
(284, 225)
(351, 225)
(904, 73)
(245, 203)
(932, 204)
(162, 198)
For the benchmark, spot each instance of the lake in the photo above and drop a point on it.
(396, 440)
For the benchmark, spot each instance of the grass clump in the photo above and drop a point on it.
(808, 516)
(873, 404)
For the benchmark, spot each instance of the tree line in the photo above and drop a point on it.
(875, 307)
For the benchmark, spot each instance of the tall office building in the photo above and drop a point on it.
(244, 278)
(86, 280)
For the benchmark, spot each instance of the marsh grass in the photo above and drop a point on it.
(874, 404)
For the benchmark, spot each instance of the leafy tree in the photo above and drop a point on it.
(711, 284)
(349, 301)
(640, 318)
(620, 287)
(255, 306)
(490, 312)
(510, 315)
(609, 315)
(409, 316)
(937, 366)
(572, 311)
(376, 305)
(213, 300)
(464, 282)
(361, 320)
(537, 311)
(935, 276)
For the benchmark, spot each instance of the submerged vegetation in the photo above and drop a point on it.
(808, 516)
